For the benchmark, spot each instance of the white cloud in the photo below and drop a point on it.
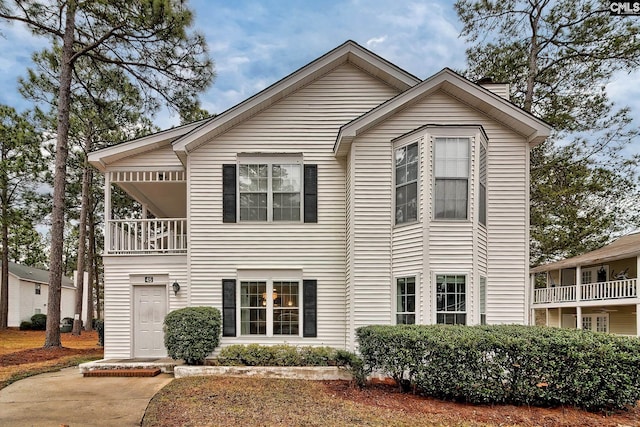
(376, 41)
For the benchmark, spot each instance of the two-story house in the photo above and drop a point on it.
(348, 193)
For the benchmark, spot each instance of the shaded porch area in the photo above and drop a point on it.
(598, 290)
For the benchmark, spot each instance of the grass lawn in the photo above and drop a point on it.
(222, 401)
(22, 355)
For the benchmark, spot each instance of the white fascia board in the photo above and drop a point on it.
(534, 129)
(100, 159)
(347, 52)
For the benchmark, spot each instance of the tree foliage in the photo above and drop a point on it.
(21, 170)
(558, 57)
(148, 41)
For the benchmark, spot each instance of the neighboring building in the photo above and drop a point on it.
(348, 193)
(596, 291)
(29, 292)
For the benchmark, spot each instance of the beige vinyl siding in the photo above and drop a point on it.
(118, 298)
(623, 320)
(350, 333)
(448, 246)
(163, 157)
(306, 122)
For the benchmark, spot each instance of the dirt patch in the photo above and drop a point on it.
(35, 355)
(280, 402)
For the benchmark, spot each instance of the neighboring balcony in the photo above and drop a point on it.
(602, 291)
(147, 236)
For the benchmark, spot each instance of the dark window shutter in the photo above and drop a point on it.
(310, 193)
(228, 193)
(310, 307)
(228, 307)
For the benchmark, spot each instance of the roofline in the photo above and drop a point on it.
(380, 113)
(348, 51)
(101, 158)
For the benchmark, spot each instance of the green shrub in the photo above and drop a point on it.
(192, 333)
(98, 325)
(25, 326)
(508, 364)
(39, 322)
(355, 365)
(277, 355)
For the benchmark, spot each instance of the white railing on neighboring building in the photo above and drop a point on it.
(617, 289)
(147, 236)
(556, 294)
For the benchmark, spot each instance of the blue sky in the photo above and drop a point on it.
(255, 43)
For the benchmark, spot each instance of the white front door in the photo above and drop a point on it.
(150, 307)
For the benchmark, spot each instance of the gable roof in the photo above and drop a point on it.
(100, 159)
(624, 247)
(532, 128)
(188, 137)
(35, 275)
(349, 51)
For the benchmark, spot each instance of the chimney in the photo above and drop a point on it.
(500, 89)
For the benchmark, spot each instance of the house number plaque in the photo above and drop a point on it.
(148, 279)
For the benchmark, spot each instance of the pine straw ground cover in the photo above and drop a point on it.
(22, 355)
(223, 401)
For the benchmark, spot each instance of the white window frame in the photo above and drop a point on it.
(404, 143)
(594, 321)
(482, 213)
(394, 294)
(594, 273)
(470, 142)
(38, 289)
(467, 294)
(270, 161)
(269, 277)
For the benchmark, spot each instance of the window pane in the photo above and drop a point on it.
(412, 153)
(253, 313)
(451, 198)
(412, 202)
(451, 299)
(286, 207)
(285, 308)
(253, 207)
(405, 300)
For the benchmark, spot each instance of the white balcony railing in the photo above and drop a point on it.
(617, 289)
(147, 236)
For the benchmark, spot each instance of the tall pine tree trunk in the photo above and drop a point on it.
(4, 286)
(82, 238)
(52, 338)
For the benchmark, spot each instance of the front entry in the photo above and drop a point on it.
(150, 307)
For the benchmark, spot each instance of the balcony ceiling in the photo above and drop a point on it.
(163, 199)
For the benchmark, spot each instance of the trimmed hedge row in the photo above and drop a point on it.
(520, 365)
(277, 355)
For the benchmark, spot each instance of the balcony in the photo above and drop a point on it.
(147, 236)
(602, 291)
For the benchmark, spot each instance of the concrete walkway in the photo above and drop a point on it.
(67, 398)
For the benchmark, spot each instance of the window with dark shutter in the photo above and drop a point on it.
(228, 307)
(228, 193)
(309, 296)
(310, 193)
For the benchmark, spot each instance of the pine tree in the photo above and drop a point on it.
(148, 40)
(558, 57)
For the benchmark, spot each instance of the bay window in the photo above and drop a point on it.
(451, 307)
(451, 178)
(406, 173)
(406, 300)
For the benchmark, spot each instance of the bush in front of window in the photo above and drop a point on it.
(39, 322)
(277, 355)
(521, 365)
(192, 333)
